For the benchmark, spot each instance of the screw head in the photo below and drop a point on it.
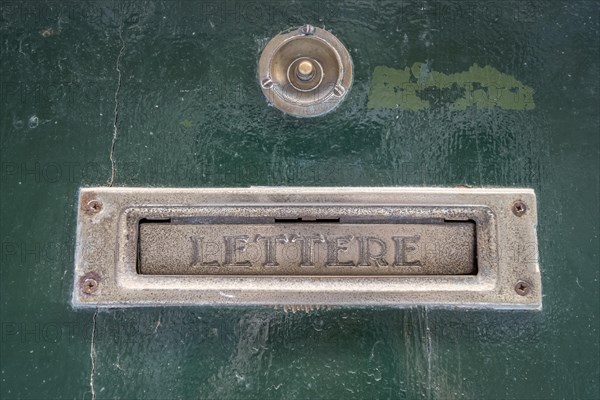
(522, 288)
(519, 208)
(307, 29)
(89, 283)
(94, 206)
(267, 83)
(339, 90)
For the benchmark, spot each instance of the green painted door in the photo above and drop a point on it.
(149, 93)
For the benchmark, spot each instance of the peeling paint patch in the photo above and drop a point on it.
(186, 123)
(418, 88)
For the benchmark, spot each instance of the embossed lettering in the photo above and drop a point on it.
(200, 252)
(365, 252)
(334, 246)
(402, 247)
(307, 248)
(234, 246)
(271, 248)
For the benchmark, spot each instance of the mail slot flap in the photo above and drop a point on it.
(307, 249)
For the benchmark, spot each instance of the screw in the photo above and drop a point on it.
(522, 288)
(519, 208)
(267, 83)
(307, 29)
(94, 206)
(339, 90)
(89, 283)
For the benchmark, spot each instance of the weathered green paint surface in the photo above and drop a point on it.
(177, 78)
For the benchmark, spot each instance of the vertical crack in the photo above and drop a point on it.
(93, 355)
(428, 348)
(113, 169)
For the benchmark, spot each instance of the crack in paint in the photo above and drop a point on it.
(93, 355)
(113, 168)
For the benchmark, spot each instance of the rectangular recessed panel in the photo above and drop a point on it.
(307, 249)
(455, 247)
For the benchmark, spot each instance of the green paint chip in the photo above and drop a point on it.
(416, 87)
(186, 123)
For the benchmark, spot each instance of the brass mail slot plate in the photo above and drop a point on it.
(456, 247)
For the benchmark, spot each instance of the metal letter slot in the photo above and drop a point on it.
(472, 248)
